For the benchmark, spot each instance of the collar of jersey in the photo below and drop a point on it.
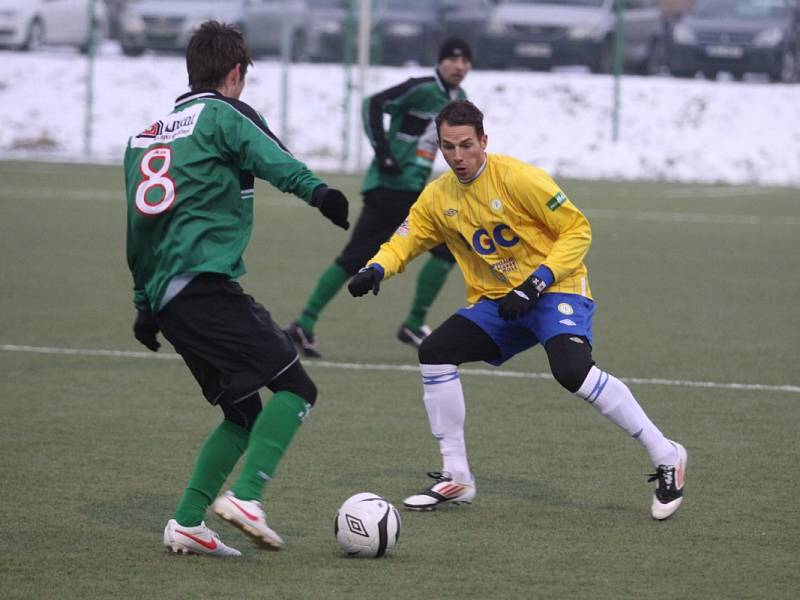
(195, 94)
(443, 85)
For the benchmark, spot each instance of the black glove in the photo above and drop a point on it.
(332, 204)
(521, 299)
(387, 164)
(368, 278)
(145, 329)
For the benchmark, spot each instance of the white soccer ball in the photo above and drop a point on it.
(367, 525)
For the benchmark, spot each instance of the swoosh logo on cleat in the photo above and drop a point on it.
(208, 545)
(244, 512)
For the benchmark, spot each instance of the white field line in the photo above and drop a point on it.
(793, 389)
(714, 192)
(688, 217)
(602, 213)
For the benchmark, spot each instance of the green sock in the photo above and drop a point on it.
(272, 432)
(329, 284)
(430, 281)
(215, 461)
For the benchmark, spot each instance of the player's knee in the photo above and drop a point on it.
(570, 377)
(570, 360)
(351, 264)
(296, 380)
(433, 351)
(243, 412)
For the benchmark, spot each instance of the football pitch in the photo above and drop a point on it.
(696, 288)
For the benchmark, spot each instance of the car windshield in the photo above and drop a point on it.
(410, 5)
(592, 3)
(328, 3)
(741, 9)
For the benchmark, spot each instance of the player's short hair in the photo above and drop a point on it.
(214, 49)
(461, 112)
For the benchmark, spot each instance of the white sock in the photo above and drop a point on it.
(612, 399)
(444, 402)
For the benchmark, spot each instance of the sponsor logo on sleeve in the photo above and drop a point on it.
(556, 201)
(402, 231)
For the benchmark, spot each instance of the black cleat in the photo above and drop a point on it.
(413, 337)
(305, 342)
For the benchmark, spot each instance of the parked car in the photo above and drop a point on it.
(29, 24)
(738, 36)
(167, 25)
(329, 29)
(412, 30)
(545, 33)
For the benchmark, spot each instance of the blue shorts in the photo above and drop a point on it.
(554, 314)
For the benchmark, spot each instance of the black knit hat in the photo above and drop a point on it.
(455, 46)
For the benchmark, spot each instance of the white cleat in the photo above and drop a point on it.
(248, 516)
(669, 493)
(195, 540)
(444, 491)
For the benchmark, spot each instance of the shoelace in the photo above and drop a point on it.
(664, 475)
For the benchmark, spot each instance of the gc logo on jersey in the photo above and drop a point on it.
(484, 243)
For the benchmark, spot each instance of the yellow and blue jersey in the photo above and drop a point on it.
(500, 227)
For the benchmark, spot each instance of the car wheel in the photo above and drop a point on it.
(656, 58)
(299, 47)
(682, 73)
(35, 38)
(789, 67)
(134, 51)
(605, 60)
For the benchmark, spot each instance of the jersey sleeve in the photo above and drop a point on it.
(140, 300)
(253, 147)
(549, 205)
(416, 235)
(388, 101)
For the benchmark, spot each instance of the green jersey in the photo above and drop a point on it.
(412, 138)
(189, 180)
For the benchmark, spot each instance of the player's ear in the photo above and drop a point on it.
(484, 141)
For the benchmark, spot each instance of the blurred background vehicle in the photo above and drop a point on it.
(738, 36)
(332, 23)
(166, 25)
(544, 33)
(411, 31)
(30, 24)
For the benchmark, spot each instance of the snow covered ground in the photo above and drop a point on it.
(677, 130)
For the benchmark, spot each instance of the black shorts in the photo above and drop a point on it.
(383, 212)
(228, 340)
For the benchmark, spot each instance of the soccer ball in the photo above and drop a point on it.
(367, 525)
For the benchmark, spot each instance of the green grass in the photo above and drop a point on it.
(693, 284)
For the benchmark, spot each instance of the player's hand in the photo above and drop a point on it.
(332, 204)
(368, 278)
(521, 299)
(387, 164)
(145, 329)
